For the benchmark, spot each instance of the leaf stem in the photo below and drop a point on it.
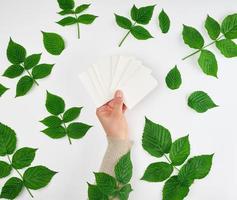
(171, 162)
(78, 27)
(64, 125)
(124, 38)
(30, 75)
(28, 190)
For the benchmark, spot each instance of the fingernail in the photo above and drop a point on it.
(119, 93)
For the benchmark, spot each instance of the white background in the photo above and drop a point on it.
(211, 132)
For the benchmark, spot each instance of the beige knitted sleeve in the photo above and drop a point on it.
(115, 150)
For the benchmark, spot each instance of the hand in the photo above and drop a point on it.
(111, 116)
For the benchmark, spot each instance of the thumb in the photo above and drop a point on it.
(118, 100)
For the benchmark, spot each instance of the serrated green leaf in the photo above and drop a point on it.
(37, 177)
(52, 121)
(174, 190)
(106, 183)
(7, 140)
(82, 8)
(77, 130)
(5, 169)
(213, 28)
(123, 169)
(24, 85)
(142, 15)
(180, 150)
(156, 139)
(200, 101)
(86, 19)
(229, 26)
(13, 71)
(123, 22)
(192, 37)
(71, 114)
(157, 172)
(53, 43)
(15, 52)
(23, 157)
(55, 132)
(173, 78)
(207, 62)
(164, 22)
(67, 21)
(140, 33)
(41, 71)
(12, 188)
(32, 61)
(124, 192)
(3, 89)
(94, 193)
(227, 47)
(66, 4)
(197, 167)
(66, 12)
(54, 104)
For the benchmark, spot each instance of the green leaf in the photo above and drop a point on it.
(32, 61)
(200, 101)
(67, 21)
(157, 172)
(3, 89)
(123, 169)
(15, 53)
(180, 150)
(66, 12)
(197, 167)
(53, 43)
(52, 121)
(106, 183)
(55, 132)
(174, 190)
(5, 169)
(164, 22)
(94, 193)
(23, 157)
(54, 104)
(12, 188)
(140, 33)
(173, 79)
(156, 139)
(213, 27)
(229, 26)
(41, 71)
(207, 62)
(77, 130)
(37, 177)
(71, 114)
(24, 85)
(66, 4)
(192, 37)
(142, 15)
(13, 71)
(123, 22)
(124, 192)
(86, 19)
(82, 8)
(7, 140)
(227, 47)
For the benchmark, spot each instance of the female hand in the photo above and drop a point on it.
(111, 116)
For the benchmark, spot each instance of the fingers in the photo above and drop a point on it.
(118, 101)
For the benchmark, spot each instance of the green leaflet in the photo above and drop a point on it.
(227, 47)
(68, 9)
(13, 71)
(142, 16)
(207, 62)
(52, 121)
(164, 21)
(124, 192)
(229, 26)
(5, 169)
(41, 71)
(54, 104)
(156, 139)
(94, 193)
(55, 132)
(53, 43)
(37, 177)
(200, 101)
(157, 172)
(32, 61)
(173, 79)
(15, 53)
(71, 114)
(213, 28)
(3, 89)
(77, 130)
(12, 188)
(24, 85)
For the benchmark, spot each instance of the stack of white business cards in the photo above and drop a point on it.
(125, 73)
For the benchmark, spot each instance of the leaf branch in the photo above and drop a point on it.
(78, 27)
(65, 127)
(124, 38)
(28, 72)
(171, 162)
